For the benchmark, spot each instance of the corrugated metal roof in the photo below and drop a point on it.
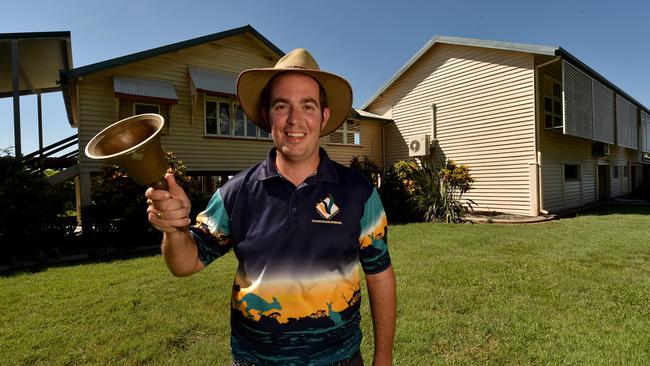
(144, 88)
(212, 81)
(508, 46)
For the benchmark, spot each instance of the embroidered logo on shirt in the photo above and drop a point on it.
(327, 209)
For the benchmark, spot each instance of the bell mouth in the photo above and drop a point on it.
(125, 136)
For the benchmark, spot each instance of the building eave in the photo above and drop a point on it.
(506, 46)
(594, 74)
(123, 60)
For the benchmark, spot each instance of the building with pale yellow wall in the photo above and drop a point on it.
(540, 131)
(192, 84)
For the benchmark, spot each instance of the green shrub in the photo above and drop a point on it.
(117, 219)
(31, 215)
(367, 168)
(396, 188)
(66, 190)
(438, 190)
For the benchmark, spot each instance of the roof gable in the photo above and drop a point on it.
(460, 41)
(119, 61)
(507, 46)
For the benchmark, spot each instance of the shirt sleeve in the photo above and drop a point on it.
(212, 232)
(373, 249)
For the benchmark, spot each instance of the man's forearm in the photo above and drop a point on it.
(180, 253)
(383, 306)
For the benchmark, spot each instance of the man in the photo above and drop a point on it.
(299, 224)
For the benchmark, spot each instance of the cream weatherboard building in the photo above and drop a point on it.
(192, 84)
(540, 131)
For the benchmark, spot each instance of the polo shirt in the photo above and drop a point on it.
(296, 293)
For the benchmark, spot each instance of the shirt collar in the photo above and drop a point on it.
(326, 171)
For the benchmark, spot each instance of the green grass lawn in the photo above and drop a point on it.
(572, 291)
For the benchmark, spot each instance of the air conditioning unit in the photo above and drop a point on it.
(600, 149)
(419, 146)
(645, 156)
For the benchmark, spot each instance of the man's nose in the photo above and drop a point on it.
(294, 115)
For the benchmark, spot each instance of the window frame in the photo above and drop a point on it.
(555, 101)
(344, 130)
(136, 104)
(232, 105)
(235, 106)
(578, 171)
(126, 107)
(215, 100)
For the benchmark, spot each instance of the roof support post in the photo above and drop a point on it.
(15, 72)
(40, 130)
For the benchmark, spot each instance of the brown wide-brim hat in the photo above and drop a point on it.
(338, 91)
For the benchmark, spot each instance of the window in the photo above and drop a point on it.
(210, 118)
(349, 133)
(217, 117)
(624, 169)
(243, 127)
(552, 104)
(226, 118)
(264, 134)
(129, 107)
(571, 172)
(140, 108)
(615, 171)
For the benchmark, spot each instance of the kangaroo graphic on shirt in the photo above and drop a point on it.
(254, 302)
(378, 243)
(333, 315)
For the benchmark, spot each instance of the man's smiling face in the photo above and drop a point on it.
(295, 117)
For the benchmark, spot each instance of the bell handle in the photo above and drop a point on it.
(160, 184)
(163, 185)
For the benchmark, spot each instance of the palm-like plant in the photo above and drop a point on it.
(438, 191)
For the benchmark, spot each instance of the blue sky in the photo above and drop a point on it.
(365, 41)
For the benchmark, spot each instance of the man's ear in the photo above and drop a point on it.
(326, 117)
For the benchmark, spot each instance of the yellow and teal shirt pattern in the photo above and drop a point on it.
(296, 294)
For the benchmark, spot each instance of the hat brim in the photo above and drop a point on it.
(339, 95)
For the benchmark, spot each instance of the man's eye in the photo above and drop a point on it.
(280, 107)
(310, 107)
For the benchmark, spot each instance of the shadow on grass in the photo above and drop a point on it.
(108, 256)
(614, 209)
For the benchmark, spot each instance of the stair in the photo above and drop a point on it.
(63, 176)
